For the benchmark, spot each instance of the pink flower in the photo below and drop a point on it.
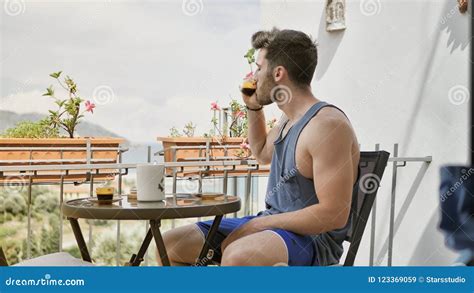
(244, 146)
(249, 75)
(214, 106)
(90, 106)
(240, 114)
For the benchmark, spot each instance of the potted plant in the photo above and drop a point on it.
(52, 139)
(233, 133)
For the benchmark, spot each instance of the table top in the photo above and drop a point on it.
(173, 207)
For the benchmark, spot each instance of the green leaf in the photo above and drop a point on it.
(70, 84)
(60, 103)
(49, 91)
(250, 55)
(56, 74)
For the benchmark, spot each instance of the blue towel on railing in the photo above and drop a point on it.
(457, 207)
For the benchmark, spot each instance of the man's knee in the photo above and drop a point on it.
(182, 244)
(171, 239)
(260, 249)
(236, 255)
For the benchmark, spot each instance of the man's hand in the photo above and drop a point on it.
(251, 101)
(253, 226)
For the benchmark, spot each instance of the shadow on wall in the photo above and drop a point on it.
(456, 26)
(328, 44)
(431, 250)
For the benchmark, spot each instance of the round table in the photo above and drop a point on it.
(176, 206)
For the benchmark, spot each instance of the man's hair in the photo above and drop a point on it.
(291, 49)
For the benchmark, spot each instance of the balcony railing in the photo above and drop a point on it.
(201, 166)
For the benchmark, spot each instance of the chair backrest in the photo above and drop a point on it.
(372, 166)
(3, 258)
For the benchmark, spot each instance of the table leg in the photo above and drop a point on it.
(76, 229)
(160, 245)
(203, 259)
(138, 258)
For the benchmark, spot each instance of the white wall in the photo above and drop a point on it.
(391, 71)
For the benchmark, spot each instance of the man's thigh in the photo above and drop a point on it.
(265, 248)
(226, 226)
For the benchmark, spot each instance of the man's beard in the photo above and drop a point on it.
(264, 91)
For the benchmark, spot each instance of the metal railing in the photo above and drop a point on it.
(29, 172)
(203, 164)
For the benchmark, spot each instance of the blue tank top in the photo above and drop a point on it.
(289, 191)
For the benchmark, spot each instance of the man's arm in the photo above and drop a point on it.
(261, 142)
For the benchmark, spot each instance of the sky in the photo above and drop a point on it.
(148, 66)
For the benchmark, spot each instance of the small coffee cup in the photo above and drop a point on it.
(105, 193)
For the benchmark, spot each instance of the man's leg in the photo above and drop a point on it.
(265, 248)
(183, 245)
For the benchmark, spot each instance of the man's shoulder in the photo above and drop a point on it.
(329, 130)
(329, 120)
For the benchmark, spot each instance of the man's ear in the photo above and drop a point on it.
(279, 73)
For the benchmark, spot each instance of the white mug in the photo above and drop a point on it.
(150, 182)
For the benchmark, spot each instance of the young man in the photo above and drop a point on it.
(314, 158)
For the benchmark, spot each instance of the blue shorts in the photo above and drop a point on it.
(301, 249)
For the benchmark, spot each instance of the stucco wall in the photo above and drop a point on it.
(400, 72)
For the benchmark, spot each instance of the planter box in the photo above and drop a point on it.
(195, 150)
(59, 151)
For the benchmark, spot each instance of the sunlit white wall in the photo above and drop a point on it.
(400, 72)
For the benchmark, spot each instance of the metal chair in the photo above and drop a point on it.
(372, 166)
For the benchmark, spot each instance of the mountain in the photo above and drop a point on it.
(8, 119)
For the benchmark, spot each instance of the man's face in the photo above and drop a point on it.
(265, 81)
